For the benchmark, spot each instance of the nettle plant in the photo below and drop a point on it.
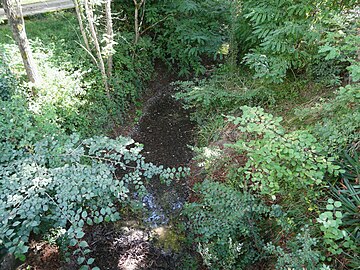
(69, 186)
(278, 163)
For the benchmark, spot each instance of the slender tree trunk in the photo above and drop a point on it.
(136, 16)
(16, 21)
(79, 15)
(90, 19)
(110, 36)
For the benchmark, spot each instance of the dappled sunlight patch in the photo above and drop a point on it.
(209, 155)
(224, 49)
(62, 92)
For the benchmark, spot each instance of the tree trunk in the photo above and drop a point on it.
(101, 66)
(16, 21)
(136, 23)
(79, 15)
(110, 36)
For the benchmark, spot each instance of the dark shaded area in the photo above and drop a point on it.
(166, 131)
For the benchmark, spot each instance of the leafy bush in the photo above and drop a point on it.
(133, 67)
(225, 224)
(302, 255)
(274, 174)
(60, 98)
(7, 80)
(280, 36)
(190, 30)
(217, 95)
(339, 223)
(224, 92)
(278, 163)
(18, 126)
(68, 185)
(340, 44)
(283, 34)
(73, 95)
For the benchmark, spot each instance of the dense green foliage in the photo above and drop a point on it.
(192, 30)
(73, 95)
(276, 96)
(226, 226)
(280, 168)
(296, 172)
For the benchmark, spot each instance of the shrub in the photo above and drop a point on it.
(60, 97)
(68, 185)
(340, 44)
(224, 92)
(191, 30)
(288, 165)
(7, 80)
(339, 222)
(19, 128)
(283, 34)
(270, 174)
(301, 254)
(226, 226)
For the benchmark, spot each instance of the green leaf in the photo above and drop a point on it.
(80, 234)
(337, 204)
(73, 242)
(80, 260)
(89, 221)
(84, 214)
(330, 201)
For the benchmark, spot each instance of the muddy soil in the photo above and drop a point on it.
(165, 129)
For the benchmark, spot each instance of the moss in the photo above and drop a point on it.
(169, 239)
